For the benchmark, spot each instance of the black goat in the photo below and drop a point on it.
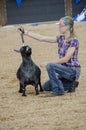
(28, 72)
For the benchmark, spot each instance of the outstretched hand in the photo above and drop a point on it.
(21, 30)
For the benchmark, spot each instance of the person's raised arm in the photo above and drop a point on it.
(38, 36)
(41, 37)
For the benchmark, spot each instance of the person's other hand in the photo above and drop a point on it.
(43, 64)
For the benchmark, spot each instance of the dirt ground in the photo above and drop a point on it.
(67, 112)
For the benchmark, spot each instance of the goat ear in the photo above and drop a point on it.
(18, 51)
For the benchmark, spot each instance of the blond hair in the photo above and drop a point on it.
(69, 22)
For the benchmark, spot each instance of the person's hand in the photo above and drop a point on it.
(43, 64)
(21, 30)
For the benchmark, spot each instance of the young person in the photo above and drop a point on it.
(64, 72)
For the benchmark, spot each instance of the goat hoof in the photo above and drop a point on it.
(41, 90)
(20, 91)
(23, 94)
(37, 93)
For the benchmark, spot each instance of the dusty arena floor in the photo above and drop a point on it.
(67, 112)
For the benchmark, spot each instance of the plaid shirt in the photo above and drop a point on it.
(63, 47)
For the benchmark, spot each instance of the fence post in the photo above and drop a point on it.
(68, 7)
(3, 13)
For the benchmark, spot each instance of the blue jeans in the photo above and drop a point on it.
(56, 72)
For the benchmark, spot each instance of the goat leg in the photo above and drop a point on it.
(36, 89)
(23, 90)
(41, 90)
(20, 90)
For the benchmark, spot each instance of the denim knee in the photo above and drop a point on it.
(49, 66)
